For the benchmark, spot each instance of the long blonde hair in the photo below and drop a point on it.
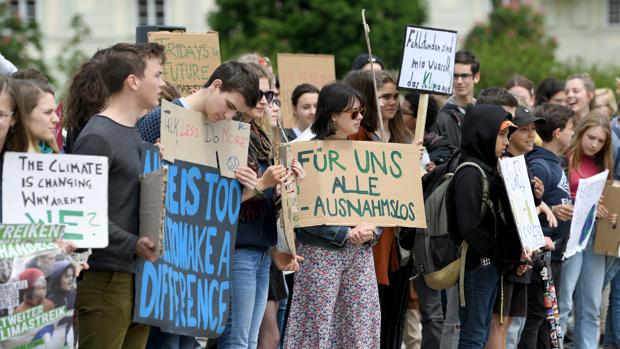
(604, 158)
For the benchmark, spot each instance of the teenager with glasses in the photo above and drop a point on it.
(466, 76)
(335, 300)
(256, 232)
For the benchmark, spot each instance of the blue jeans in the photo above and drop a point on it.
(583, 275)
(451, 325)
(514, 332)
(249, 285)
(164, 340)
(480, 291)
(612, 325)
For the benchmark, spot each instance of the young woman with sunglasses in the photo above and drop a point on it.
(335, 300)
(256, 232)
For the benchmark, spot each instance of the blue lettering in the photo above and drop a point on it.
(191, 320)
(211, 232)
(172, 206)
(211, 179)
(220, 207)
(225, 255)
(223, 306)
(149, 278)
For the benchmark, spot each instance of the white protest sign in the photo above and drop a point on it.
(519, 190)
(189, 136)
(71, 190)
(428, 60)
(584, 212)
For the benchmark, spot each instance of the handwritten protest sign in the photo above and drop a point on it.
(519, 190)
(191, 58)
(297, 69)
(36, 303)
(584, 212)
(189, 136)
(351, 182)
(428, 60)
(71, 190)
(607, 240)
(187, 291)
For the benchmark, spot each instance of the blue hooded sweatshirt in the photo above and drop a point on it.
(545, 165)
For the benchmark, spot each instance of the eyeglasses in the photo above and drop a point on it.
(462, 76)
(388, 96)
(277, 102)
(355, 112)
(269, 95)
(6, 115)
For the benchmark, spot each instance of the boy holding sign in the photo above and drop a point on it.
(105, 294)
(545, 163)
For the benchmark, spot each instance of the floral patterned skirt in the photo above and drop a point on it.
(335, 300)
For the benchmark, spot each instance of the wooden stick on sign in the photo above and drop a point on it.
(372, 70)
(420, 123)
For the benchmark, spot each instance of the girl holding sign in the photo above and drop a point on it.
(256, 232)
(335, 299)
(583, 273)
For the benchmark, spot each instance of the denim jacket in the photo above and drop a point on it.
(327, 236)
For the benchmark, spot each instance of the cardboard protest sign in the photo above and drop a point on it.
(187, 291)
(295, 69)
(519, 190)
(191, 58)
(189, 136)
(349, 182)
(37, 301)
(584, 212)
(71, 190)
(607, 240)
(152, 206)
(428, 60)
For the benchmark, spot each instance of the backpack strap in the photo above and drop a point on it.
(486, 203)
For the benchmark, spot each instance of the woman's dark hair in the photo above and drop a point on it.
(333, 98)
(302, 89)
(361, 81)
(431, 110)
(547, 89)
(86, 95)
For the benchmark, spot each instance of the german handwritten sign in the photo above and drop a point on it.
(189, 136)
(297, 69)
(519, 190)
(37, 302)
(71, 190)
(428, 60)
(351, 182)
(191, 58)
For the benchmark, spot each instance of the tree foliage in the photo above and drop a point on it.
(315, 26)
(20, 42)
(513, 41)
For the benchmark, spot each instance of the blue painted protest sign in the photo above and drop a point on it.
(187, 290)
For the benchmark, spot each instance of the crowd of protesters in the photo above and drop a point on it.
(350, 286)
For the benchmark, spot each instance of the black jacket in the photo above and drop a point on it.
(494, 235)
(448, 123)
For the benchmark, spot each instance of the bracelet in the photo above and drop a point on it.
(257, 191)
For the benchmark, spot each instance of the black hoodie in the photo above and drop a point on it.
(487, 236)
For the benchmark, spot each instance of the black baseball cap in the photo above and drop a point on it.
(364, 59)
(524, 116)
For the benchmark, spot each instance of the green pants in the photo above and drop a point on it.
(105, 312)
